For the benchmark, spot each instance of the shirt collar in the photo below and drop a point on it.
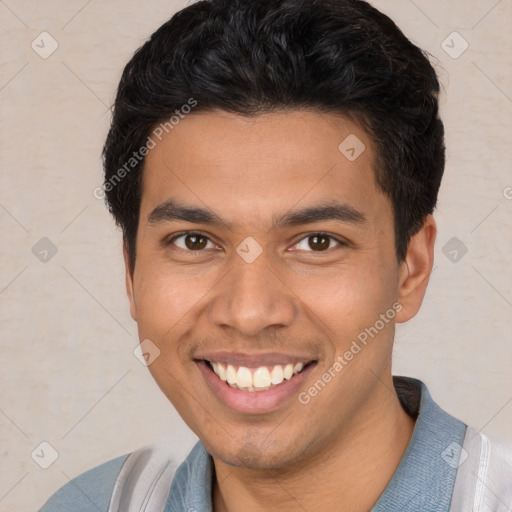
(424, 479)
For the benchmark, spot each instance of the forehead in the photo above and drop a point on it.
(254, 166)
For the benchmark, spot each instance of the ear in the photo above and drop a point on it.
(129, 282)
(415, 270)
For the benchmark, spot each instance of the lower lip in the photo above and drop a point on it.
(253, 402)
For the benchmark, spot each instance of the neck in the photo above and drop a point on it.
(350, 474)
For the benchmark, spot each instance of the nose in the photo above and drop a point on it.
(251, 298)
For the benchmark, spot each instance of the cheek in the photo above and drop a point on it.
(166, 301)
(350, 299)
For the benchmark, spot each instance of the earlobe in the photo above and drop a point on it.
(415, 270)
(129, 282)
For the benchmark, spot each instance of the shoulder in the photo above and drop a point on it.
(484, 476)
(90, 491)
(130, 482)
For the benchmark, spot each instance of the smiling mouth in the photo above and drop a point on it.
(257, 379)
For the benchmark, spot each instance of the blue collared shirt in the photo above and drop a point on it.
(423, 482)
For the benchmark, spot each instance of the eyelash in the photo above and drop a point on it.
(171, 241)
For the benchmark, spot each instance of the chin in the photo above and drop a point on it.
(254, 456)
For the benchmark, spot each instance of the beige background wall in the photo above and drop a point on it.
(68, 374)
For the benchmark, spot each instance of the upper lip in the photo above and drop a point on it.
(254, 360)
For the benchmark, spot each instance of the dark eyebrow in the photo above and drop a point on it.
(171, 210)
(322, 212)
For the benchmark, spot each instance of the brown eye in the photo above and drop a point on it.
(195, 242)
(191, 241)
(318, 242)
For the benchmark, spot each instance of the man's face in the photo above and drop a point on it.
(204, 293)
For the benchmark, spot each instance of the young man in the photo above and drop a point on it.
(274, 166)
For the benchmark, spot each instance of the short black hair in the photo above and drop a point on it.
(253, 57)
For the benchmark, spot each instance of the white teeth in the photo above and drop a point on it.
(261, 378)
(221, 372)
(230, 374)
(258, 379)
(276, 377)
(288, 371)
(298, 367)
(244, 377)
